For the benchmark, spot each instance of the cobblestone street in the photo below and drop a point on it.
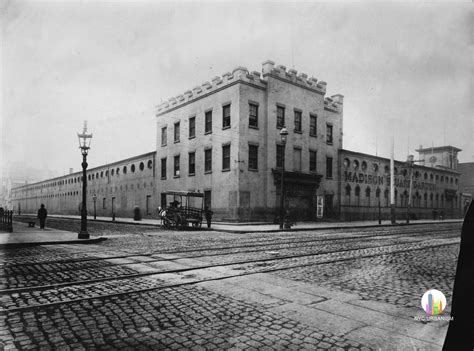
(146, 288)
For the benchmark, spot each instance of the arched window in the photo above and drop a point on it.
(347, 163)
(348, 190)
(367, 192)
(133, 168)
(364, 166)
(425, 198)
(124, 170)
(375, 167)
(356, 164)
(150, 164)
(357, 194)
(142, 166)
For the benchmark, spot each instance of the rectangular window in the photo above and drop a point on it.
(329, 167)
(226, 116)
(176, 166)
(163, 168)
(104, 201)
(280, 116)
(226, 157)
(297, 160)
(192, 127)
(279, 156)
(298, 121)
(253, 157)
(312, 125)
(329, 133)
(164, 134)
(208, 160)
(253, 115)
(208, 122)
(176, 132)
(312, 161)
(192, 163)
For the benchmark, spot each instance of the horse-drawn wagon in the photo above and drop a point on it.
(185, 209)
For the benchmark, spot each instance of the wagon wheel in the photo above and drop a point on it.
(166, 223)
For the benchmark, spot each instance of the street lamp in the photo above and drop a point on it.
(84, 145)
(94, 198)
(284, 136)
(410, 163)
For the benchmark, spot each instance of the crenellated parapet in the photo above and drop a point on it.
(242, 74)
(334, 103)
(280, 71)
(239, 74)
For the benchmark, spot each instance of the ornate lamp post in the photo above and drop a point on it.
(84, 145)
(94, 198)
(284, 136)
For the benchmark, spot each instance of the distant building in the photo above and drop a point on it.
(223, 138)
(445, 157)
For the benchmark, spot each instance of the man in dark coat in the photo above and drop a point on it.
(42, 214)
(461, 327)
(208, 214)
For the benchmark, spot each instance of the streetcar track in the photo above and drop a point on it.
(257, 244)
(290, 245)
(135, 275)
(269, 247)
(173, 285)
(383, 232)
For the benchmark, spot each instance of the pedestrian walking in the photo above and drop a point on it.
(42, 214)
(208, 214)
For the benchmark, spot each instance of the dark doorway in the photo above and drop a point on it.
(328, 206)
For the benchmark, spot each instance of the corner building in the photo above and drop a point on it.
(223, 138)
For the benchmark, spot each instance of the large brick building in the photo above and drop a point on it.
(223, 138)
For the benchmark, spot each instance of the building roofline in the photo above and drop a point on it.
(79, 173)
(398, 162)
(438, 148)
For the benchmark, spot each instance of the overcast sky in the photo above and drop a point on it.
(403, 68)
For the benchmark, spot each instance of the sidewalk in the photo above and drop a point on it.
(269, 227)
(31, 236)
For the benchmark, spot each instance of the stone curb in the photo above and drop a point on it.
(55, 242)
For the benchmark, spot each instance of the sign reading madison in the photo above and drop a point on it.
(362, 178)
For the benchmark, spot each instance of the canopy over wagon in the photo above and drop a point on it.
(182, 209)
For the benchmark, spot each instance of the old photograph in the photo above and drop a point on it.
(236, 175)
